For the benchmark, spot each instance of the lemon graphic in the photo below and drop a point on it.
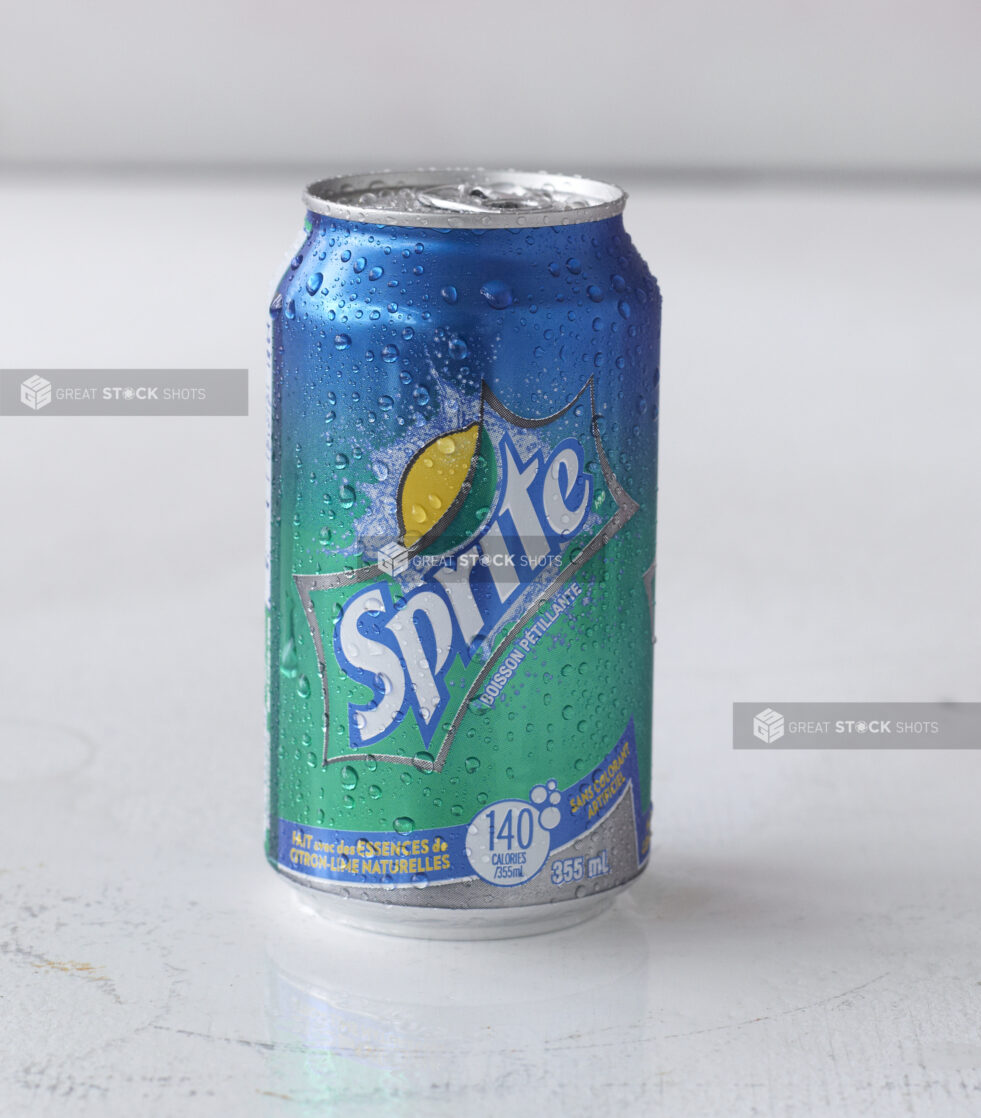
(438, 481)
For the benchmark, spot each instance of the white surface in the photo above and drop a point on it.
(345, 86)
(805, 942)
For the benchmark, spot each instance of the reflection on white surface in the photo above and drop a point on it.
(628, 1006)
(355, 1015)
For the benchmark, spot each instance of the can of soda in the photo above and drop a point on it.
(463, 446)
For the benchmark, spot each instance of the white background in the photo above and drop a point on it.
(557, 83)
(805, 940)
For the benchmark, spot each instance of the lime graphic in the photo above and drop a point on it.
(476, 503)
(447, 487)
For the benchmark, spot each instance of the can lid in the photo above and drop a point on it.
(465, 198)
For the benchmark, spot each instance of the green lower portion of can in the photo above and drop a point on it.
(457, 736)
(543, 796)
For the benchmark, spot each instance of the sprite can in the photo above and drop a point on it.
(463, 447)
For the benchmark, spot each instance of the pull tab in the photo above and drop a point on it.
(473, 198)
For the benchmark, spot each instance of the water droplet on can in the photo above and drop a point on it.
(498, 294)
(288, 662)
(458, 349)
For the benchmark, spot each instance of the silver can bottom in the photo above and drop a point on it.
(452, 923)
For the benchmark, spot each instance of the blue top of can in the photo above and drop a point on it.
(464, 198)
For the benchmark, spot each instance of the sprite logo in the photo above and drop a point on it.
(407, 649)
(490, 519)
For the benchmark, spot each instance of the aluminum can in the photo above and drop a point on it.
(463, 446)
